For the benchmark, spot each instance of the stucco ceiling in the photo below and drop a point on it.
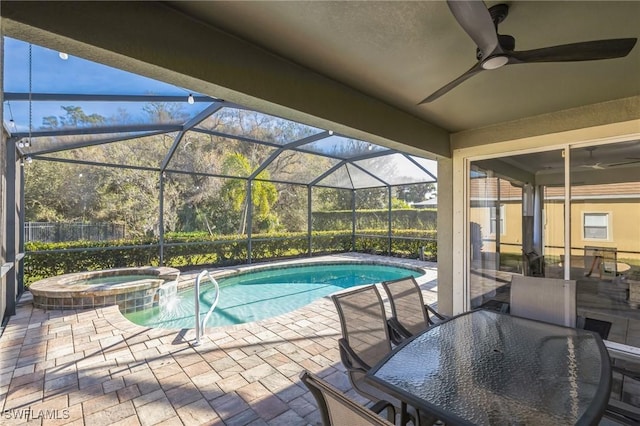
(400, 52)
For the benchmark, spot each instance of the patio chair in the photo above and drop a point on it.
(365, 341)
(410, 315)
(365, 335)
(617, 410)
(336, 409)
(599, 326)
(544, 299)
(622, 413)
(625, 364)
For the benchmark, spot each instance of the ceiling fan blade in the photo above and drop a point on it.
(584, 51)
(475, 19)
(624, 163)
(435, 95)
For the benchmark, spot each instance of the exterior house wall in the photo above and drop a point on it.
(624, 227)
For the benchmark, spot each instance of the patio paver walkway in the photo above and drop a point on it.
(94, 367)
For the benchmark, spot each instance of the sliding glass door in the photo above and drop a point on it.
(520, 222)
(515, 222)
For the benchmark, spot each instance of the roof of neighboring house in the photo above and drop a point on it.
(488, 189)
(431, 202)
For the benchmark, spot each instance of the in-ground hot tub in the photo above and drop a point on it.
(132, 289)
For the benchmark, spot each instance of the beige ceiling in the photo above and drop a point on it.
(400, 52)
(359, 68)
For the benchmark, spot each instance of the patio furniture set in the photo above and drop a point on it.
(529, 366)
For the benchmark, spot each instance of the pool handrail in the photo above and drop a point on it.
(200, 326)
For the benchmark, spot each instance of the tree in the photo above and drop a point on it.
(76, 117)
(291, 207)
(328, 199)
(414, 193)
(165, 112)
(263, 193)
(54, 191)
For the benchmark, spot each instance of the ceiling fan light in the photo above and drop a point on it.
(494, 62)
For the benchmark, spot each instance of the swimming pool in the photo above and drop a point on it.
(263, 294)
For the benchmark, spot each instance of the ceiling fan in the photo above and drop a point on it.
(497, 50)
(591, 164)
(597, 165)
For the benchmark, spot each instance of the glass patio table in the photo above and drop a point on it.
(489, 368)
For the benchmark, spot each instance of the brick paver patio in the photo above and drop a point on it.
(94, 367)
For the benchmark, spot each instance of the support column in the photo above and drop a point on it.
(249, 220)
(389, 219)
(309, 222)
(498, 225)
(20, 235)
(161, 219)
(538, 244)
(12, 221)
(446, 253)
(353, 220)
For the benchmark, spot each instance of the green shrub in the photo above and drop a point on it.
(188, 250)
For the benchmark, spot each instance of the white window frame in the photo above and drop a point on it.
(596, 213)
(503, 220)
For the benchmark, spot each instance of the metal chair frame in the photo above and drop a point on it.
(332, 405)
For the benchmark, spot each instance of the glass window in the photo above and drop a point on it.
(596, 226)
(492, 224)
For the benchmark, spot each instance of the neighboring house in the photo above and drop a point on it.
(601, 215)
(431, 203)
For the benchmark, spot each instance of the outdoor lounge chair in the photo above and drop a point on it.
(336, 409)
(410, 315)
(365, 341)
(544, 299)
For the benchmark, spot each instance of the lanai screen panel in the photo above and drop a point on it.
(66, 112)
(45, 92)
(342, 147)
(339, 178)
(211, 205)
(290, 208)
(52, 74)
(332, 209)
(143, 152)
(298, 167)
(255, 125)
(93, 194)
(61, 142)
(430, 166)
(372, 206)
(362, 179)
(395, 169)
(218, 155)
(349, 176)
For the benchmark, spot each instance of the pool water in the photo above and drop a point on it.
(264, 294)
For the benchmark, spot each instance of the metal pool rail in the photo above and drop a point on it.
(200, 326)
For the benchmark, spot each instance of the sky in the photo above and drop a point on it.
(51, 74)
(73, 75)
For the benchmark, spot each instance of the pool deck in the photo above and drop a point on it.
(94, 367)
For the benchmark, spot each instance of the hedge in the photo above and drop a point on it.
(188, 250)
(374, 218)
